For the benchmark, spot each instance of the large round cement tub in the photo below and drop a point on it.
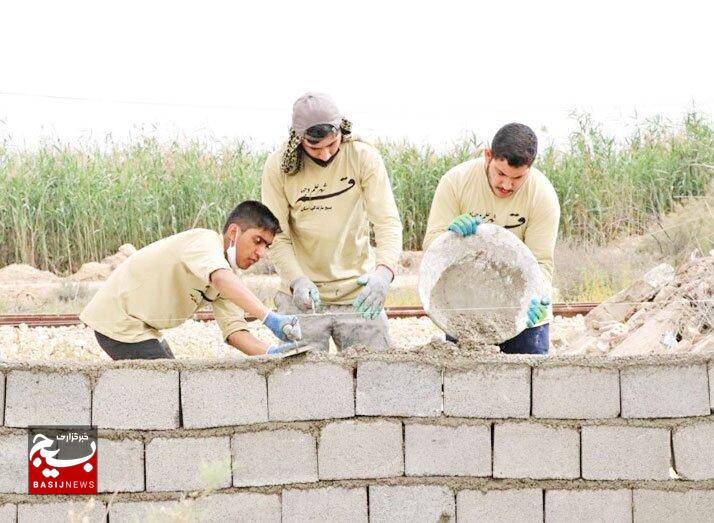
(478, 288)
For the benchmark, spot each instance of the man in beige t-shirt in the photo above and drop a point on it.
(326, 187)
(161, 285)
(503, 188)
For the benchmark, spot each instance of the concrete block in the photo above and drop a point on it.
(576, 393)
(134, 511)
(625, 452)
(121, 465)
(136, 399)
(411, 503)
(356, 450)
(694, 451)
(496, 506)
(41, 398)
(90, 509)
(219, 398)
(8, 513)
(489, 392)
(2, 398)
(661, 505)
(331, 504)
(664, 391)
(13, 463)
(433, 450)
(239, 507)
(398, 389)
(310, 391)
(531, 450)
(274, 457)
(234, 507)
(177, 463)
(588, 505)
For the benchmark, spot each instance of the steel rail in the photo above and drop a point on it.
(64, 320)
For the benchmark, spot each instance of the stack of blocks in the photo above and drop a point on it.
(379, 437)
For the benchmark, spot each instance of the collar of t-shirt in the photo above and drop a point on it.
(323, 163)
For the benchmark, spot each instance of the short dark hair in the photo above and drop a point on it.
(253, 215)
(318, 132)
(516, 143)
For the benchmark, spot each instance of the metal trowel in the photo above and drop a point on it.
(299, 348)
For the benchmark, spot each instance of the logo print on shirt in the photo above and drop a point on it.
(489, 218)
(350, 183)
(521, 220)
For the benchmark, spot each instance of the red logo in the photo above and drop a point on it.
(62, 460)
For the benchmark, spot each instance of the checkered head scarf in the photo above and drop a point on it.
(309, 110)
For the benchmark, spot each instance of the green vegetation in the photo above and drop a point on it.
(607, 190)
(61, 206)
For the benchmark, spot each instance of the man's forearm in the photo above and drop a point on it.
(233, 289)
(282, 255)
(248, 344)
(389, 244)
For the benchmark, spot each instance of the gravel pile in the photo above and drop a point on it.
(191, 340)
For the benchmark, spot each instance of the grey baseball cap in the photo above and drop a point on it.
(315, 109)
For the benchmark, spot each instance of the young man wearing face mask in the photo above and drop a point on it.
(503, 188)
(161, 285)
(326, 187)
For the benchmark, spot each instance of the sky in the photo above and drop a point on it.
(429, 72)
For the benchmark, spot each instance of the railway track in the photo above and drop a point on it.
(62, 320)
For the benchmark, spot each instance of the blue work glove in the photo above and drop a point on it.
(537, 310)
(370, 301)
(305, 294)
(285, 327)
(274, 350)
(465, 224)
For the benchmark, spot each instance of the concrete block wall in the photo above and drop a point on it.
(383, 437)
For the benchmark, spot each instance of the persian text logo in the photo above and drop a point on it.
(62, 460)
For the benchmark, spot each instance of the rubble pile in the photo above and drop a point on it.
(666, 311)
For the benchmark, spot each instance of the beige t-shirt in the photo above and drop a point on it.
(532, 213)
(325, 213)
(160, 286)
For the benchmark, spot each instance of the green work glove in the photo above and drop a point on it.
(465, 224)
(537, 310)
(370, 301)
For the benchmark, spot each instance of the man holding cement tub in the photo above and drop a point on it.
(161, 285)
(326, 187)
(503, 188)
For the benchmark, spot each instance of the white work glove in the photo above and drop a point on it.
(370, 301)
(305, 294)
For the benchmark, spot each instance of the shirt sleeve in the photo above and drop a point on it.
(203, 254)
(229, 316)
(444, 208)
(281, 252)
(540, 236)
(381, 209)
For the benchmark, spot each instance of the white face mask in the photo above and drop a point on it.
(231, 253)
